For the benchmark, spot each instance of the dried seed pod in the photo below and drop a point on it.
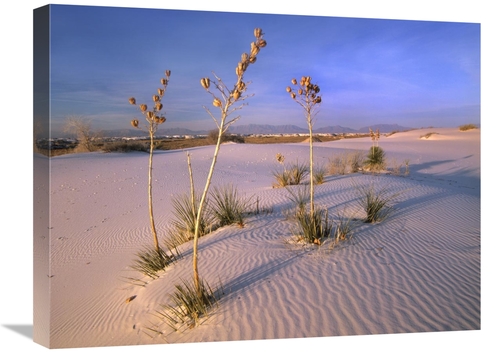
(317, 100)
(150, 115)
(167, 73)
(288, 89)
(131, 100)
(261, 43)
(236, 94)
(292, 95)
(162, 120)
(300, 91)
(241, 86)
(217, 102)
(156, 98)
(252, 59)
(135, 123)
(205, 82)
(254, 49)
(163, 81)
(161, 92)
(257, 32)
(159, 106)
(244, 57)
(143, 107)
(294, 81)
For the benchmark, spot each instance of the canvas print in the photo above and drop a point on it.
(204, 176)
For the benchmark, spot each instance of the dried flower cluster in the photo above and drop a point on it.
(228, 97)
(306, 93)
(153, 116)
(375, 135)
(280, 158)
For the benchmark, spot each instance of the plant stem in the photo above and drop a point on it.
(202, 200)
(150, 190)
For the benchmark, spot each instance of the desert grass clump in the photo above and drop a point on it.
(190, 304)
(314, 227)
(227, 207)
(319, 175)
(299, 196)
(151, 261)
(355, 160)
(467, 127)
(407, 167)
(377, 204)
(344, 229)
(292, 174)
(337, 165)
(184, 221)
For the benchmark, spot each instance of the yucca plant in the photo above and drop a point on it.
(227, 206)
(319, 175)
(184, 221)
(305, 93)
(344, 228)
(189, 304)
(154, 118)
(299, 197)
(314, 227)
(290, 175)
(377, 204)
(227, 100)
(375, 159)
(150, 261)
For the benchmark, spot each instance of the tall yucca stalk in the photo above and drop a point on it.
(154, 118)
(226, 100)
(306, 95)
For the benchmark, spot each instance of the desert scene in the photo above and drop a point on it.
(236, 198)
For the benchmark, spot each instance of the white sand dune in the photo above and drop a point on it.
(417, 271)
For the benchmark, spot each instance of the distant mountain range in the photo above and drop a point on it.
(259, 129)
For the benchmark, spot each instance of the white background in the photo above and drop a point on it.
(16, 174)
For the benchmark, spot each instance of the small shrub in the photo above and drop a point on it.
(189, 305)
(227, 207)
(150, 261)
(376, 203)
(375, 159)
(355, 161)
(337, 165)
(467, 127)
(313, 227)
(407, 167)
(429, 134)
(396, 167)
(125, 147)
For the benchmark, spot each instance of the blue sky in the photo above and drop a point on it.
(413, 73)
